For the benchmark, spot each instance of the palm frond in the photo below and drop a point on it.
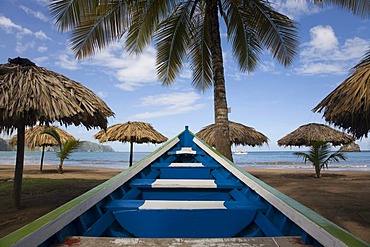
(305, 156)
(68, 147)
(95, 24)
(276, 31)
(52, 132)
(357, 7)
(146, 16)
(172, 43)
(200, 53)
(245, 43)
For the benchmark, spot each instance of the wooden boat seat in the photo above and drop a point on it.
(186, 183)
(186, 150)
(184, 165)
(178, 205)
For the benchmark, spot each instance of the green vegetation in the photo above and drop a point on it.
(65, 149)
(38, 186)
(320, 155)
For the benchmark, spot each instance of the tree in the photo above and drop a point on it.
(65, 149)
(320, 155)
(188, 28)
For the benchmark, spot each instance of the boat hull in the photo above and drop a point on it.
(185, 189)
(184, 223)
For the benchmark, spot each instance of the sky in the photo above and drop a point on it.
(275, 100)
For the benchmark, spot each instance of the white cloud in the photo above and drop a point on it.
(131, 71)
(21, 47)
(36, 14)
(102, 95)
(42, 49)
(8, 26)
(294, 9)
(40, 60)
(324, 53)
(67, 62)
(169, 104)
(323, 38)
(321, 68)
(41, 35)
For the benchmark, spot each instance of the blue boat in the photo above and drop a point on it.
(184, 192)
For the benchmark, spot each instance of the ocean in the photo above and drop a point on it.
(356, 161)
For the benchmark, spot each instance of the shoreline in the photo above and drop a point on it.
(340, 196)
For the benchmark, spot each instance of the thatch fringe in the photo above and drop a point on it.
(137, 132)
(34, 94)
(35, 137)
(348, 106)
(239, 135)
(307, 134)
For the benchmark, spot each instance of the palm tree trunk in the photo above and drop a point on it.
(223, 144)
(17, 188)
(318, 170)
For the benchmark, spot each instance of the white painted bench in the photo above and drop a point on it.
(185, 165)
(177, 205)
(185, 183)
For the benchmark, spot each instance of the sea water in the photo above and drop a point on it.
(358, 161)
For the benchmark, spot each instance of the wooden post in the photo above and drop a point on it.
(17, 188)
(131, 150)
(42, 157)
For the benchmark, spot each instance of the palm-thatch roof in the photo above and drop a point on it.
(239, 135)
(307, 134)
(133, 132)
(35, 137)
(138, 132)
(348, 106)
(31, 94)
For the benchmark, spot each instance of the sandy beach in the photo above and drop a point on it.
(340, 196)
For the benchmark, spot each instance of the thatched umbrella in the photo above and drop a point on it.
(348, 106)
(36, 137)
(31, 94)
(138, 132)
(239, 135)
(307, 134)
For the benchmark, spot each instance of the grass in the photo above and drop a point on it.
(39, 196)
(35, 186)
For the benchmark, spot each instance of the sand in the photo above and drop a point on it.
(342, 197)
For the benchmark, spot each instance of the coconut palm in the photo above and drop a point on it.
(190, 28)
(320, 155)
(180, 29)
(65, 148)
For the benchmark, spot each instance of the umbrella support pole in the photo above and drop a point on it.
(17, 188)
(131, 152)
(42, 157)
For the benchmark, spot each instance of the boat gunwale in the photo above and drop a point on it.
(329, 234)
(44, 227)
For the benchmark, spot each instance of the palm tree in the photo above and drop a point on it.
(187, 28)
(65, 149)
(320, 155)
